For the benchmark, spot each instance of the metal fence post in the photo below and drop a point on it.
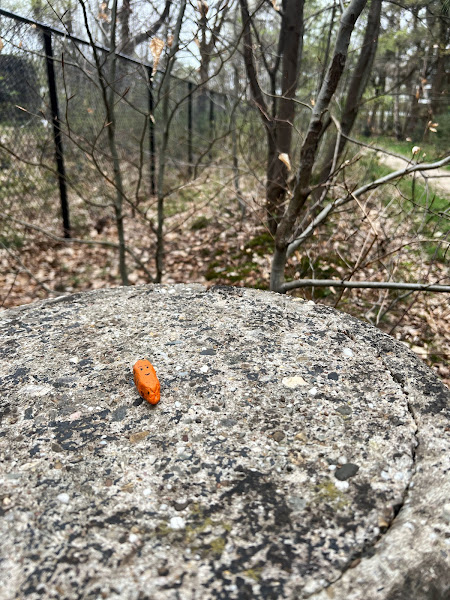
(59, 155)
(190, 153)
(151, 134)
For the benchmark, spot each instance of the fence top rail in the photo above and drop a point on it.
(74, 38)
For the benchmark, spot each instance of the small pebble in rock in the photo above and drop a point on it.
(446, 513)
(293, 382)
(342, 459)
(177, 523)
(133, 538)
(177, 404)
(64, 498)
(347, 352)
(204, 369)
(278, 436)
(297, 502)
(346, 471)
(313, 391)
(341, 485)
(181, 504)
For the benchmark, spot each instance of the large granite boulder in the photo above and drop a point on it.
(296, 452)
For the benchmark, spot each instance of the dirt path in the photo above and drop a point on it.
(439, 179)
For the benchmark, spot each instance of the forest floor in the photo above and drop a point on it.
(214, 245)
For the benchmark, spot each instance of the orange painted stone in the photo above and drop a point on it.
(146, 381)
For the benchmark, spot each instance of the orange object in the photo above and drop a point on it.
(146, 381)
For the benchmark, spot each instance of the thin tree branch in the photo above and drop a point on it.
(251, 65)
(385, 285)
(292, 247)
(151, 31)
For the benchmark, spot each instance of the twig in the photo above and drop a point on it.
(389, 285)
(356, 193)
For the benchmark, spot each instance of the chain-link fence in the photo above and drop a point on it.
(197, 116)
(68, 109)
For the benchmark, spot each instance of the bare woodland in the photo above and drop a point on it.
(299, 147)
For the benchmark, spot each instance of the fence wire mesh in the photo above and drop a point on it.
(33, 182)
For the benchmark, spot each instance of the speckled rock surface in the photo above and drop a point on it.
(296, 452)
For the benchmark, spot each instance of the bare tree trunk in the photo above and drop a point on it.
(278, 126)
(234, 144)
(276, 182)
(372, 123)
(308, 154)
(441, 81)
(124, 19)
(165, 93)
(327, 49)
(396, 112)
(107, 86)
(412, 120)
(382, 120)
(357, 85)
(68, 18)
(208, 36)
(292, 27)
(111, 130)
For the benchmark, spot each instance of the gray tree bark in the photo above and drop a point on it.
(358, 84)
(278, 120)
(165, 122)
(308, 153)
(106, 79)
